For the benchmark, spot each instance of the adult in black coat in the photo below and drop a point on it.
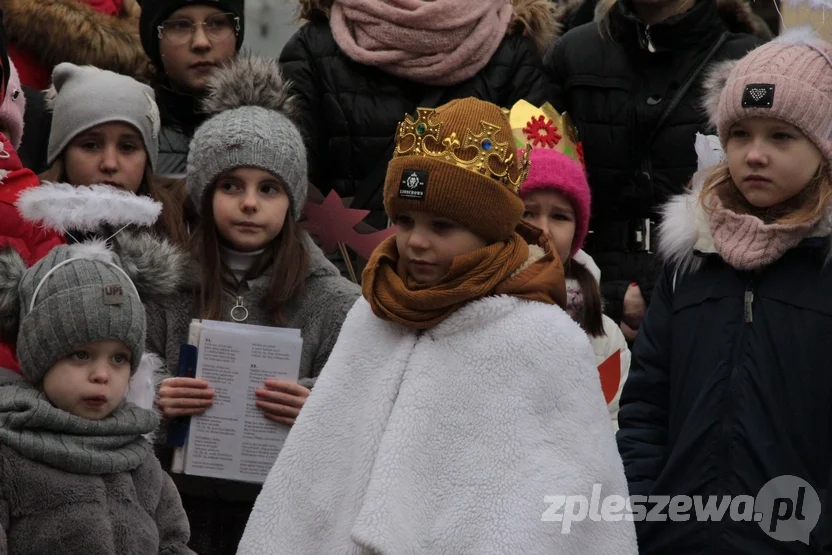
(349, 111)
(622, 80)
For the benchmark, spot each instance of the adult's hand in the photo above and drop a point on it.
(634, 307)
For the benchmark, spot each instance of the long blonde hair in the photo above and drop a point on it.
(808, 205)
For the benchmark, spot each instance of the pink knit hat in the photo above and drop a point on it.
(11, 111)
(555, 171)
(789, 79)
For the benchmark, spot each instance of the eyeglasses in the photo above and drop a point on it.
(218, 27)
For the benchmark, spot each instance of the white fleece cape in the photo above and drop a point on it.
(446, 442)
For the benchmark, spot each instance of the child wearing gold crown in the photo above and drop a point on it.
(459, 395)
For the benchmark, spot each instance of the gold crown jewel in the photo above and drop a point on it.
(423, 137)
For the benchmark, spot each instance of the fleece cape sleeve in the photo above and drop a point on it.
(643, 413)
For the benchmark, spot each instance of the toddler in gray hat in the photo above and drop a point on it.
(76, 474)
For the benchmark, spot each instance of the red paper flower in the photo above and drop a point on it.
(540, 131)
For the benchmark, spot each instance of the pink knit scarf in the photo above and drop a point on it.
(435, 42)
(745, 242)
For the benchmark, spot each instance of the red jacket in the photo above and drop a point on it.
(31, 242)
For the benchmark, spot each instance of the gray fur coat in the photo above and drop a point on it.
(319, 314)
(74, 486)
(48, 510)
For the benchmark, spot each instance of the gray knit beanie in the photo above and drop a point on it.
(251, 127)
(83, 97)
(81, 294)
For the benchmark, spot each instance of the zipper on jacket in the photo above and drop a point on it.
(748, 318)
(239, 313)
(650, 47)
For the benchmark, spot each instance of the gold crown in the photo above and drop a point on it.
(423, 137)
(544, 127)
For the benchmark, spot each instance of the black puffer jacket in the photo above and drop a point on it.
(616, 90)
(181, 115)
(729, 388)
(349, 111)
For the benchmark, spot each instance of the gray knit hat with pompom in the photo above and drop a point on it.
(250, 127)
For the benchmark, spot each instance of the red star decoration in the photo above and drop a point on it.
(541, 131)
(580, 148)
(332, 223)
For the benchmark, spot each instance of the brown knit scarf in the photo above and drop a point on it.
(492, 270)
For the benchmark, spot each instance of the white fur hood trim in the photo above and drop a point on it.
(63, 207)
(684, 230)
(446, 441)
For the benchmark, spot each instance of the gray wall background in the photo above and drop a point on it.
(269, 24)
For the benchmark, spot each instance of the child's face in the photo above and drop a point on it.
(111, 153)
(428, 243)
(551, 212)
(250, 206)
(189, 59)
(91, 381)
(770, 161)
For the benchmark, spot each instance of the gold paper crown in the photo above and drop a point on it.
(544, 127)
(423, 137)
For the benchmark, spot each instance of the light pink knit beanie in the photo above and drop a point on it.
(789, 79)
(12, 109)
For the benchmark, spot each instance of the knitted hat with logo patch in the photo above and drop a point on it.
(458, 161)
(74, 295)
(789, 79)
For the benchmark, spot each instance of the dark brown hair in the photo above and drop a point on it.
(286, 252)
(593, 323)
(171, 193)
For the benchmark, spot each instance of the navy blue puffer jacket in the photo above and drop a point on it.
(730, 387)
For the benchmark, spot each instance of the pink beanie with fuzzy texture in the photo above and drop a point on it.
(554, 171)
(12, 109)
(789, 79)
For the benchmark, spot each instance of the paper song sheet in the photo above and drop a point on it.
(233, 440)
